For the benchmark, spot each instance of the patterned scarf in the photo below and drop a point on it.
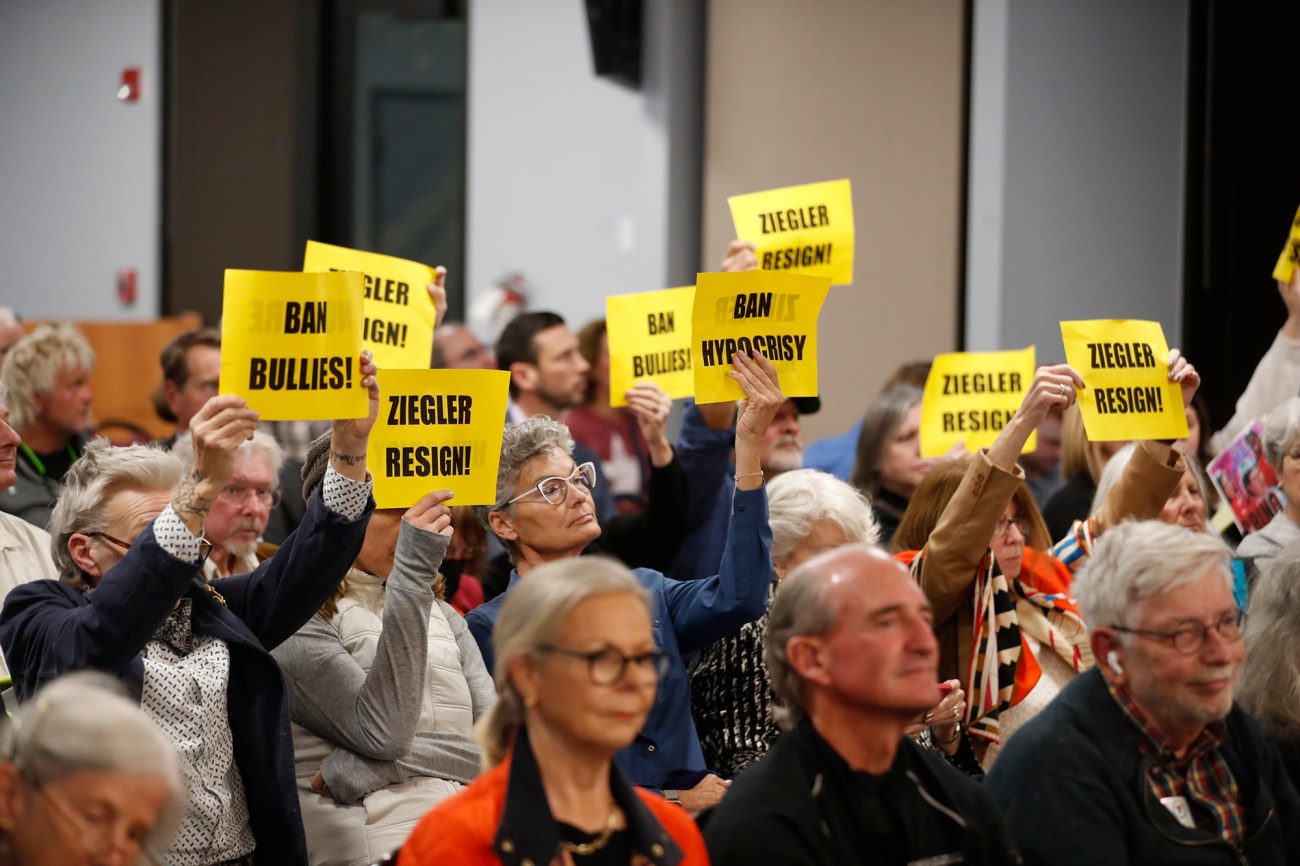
(175, 629)
(1003, 668)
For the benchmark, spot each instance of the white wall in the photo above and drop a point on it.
(80, 172)
(1075, 206)
(586, 186)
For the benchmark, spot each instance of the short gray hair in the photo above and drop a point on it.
(84, 722)
(1281, 431)
(531, 615)
(533, 437)
(1140, 559)
(1270, 677)
(33, 365)
(99, 474)
(796, 500)
(262, 443)
(802, 606)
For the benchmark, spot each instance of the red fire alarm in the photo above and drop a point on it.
(126, 286)
(129, 90)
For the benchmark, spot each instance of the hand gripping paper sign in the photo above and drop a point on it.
(805, 229)
(970, 396)
(290, 344)
(438, 430)
(650, 341)
(772, 312)
(1284, 270)
(398, 320)
(1125, 368)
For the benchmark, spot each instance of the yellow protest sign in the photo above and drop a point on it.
(1290, 255)
(290, 344)
(772, 312)
(1125, 368)
(438, 430)
(970, 396)
(650, 341)
(805, 229)
(399, 317)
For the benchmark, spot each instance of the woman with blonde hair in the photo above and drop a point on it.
(577, 668)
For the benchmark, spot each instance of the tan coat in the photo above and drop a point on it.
(947, 573)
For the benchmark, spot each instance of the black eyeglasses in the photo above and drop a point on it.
(608, 666)
(555, 489)
(1190, 637)
(1003, 527)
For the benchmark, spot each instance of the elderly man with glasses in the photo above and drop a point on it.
(1145, 759)
(545, 513)
(242, 510)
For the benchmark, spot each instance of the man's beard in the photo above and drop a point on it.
(786, 455)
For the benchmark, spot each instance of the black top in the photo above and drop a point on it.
(802, 804)
(1072, 502)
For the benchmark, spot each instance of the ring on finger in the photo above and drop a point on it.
(1061, 386)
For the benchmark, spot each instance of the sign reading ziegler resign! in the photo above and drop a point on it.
(805, 229)
(438, 430)
(1125, 368)
(970, 396)
(397, 326)
(766, 311)
(290, 344)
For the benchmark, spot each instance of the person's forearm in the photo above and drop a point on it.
(348, 457)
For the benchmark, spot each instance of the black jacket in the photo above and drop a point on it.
(1072, 786)
(802, 804)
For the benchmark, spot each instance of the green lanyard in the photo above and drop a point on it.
(36, 461)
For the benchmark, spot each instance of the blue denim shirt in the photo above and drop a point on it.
(687, 616)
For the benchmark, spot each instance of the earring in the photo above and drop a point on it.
(530, 702)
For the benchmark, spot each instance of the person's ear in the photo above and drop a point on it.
(522, 672)
(170, 393)
(79, 550)
(524, 376)
(804, 652)
(500, 524)
(1109, 655)
(779, 569)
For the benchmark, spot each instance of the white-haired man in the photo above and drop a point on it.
(240, 514)
(1145, 759)
(47, 373)
(852, 655)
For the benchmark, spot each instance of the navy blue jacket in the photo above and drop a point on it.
(48, 628)
(687, 617)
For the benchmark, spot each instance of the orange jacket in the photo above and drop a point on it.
(468, 829)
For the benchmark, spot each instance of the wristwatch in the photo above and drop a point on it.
(673, 797)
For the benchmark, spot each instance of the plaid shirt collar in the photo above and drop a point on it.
(1201, 779)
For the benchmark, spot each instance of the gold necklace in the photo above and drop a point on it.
(586, 849)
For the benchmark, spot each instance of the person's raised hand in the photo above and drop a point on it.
(763, 398)
(222, 424)
(651, 405)
(1051, 387)
(350, 436)
(740, 256)
(438, 294)
(431, 513)
(1182, 372)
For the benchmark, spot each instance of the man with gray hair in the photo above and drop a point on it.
(47, 374)
(242, 510)
(1145, 759)
(851, 653)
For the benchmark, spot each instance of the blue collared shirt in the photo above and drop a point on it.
(687, 616)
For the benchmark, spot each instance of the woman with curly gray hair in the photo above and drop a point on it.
(544, 513)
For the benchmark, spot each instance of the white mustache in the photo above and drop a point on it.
(789, 442)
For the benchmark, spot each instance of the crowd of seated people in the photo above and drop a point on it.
(722, 645)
